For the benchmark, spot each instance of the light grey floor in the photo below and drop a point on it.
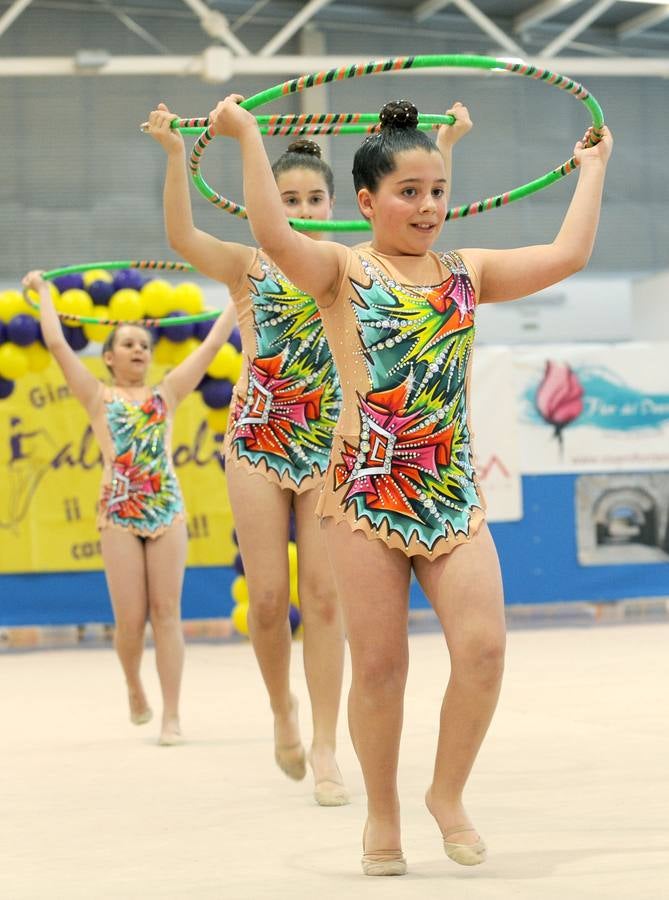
(571, 790)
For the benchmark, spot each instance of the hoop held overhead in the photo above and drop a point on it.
(143, 264)
(296, 85)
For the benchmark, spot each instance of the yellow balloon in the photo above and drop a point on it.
(98, 333)
(293, 590)
(34, 296)
(240, 590)
(97, 275)
(76, 302)
(292, 557)
(157, 298)
(223, 363)
(162, 351)
(240, 618)
(292, 572)
(217, 419)
(188, 297)
(126, 304)
(184, 349)
(38, 357)
(236, 367)
(12, 304)
(13, 361)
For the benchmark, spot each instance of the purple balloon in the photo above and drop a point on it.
(75, 337)
(67, 282)
(217, 393)
(178, 333)
(3, 332)
(235, 339)
(202, 329)
(294, 618)
(238, 564)
(291, 528)
(23, 330)
(234, 538)
(101, 292)
(6, 388)
(128, 278)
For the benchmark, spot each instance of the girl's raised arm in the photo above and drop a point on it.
(83, 384)
(185, 377)
(510, 274)
(449, 135)
(222, 260)
(314, 266)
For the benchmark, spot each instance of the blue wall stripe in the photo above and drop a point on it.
(538, 556)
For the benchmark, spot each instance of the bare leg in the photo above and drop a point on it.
(323, 647)
(261, 511)
(165, 565)
(465, 589)
(123, 556)
(373, 588)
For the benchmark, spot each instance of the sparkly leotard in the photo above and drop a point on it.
(140, 492)
(287, 401)
(402, 468)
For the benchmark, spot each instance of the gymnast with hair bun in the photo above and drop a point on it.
(277, 448)
(401, 493)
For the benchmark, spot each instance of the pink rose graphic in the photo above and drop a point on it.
(559, 397)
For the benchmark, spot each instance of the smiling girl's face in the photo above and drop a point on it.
(305, 195)
(408, 208)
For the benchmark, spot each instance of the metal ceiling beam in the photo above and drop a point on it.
(12, 13)
(133, 26)
(216, 25)
(217, 64)
(429, 8)
(486, 24)
(307, 12)
(643, 22)
(538, 13)
(576, 27)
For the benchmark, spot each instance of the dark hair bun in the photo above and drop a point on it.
(399, 114)
(310, 148)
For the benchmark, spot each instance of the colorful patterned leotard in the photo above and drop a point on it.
(288, 398)
(140, 492)
(402, 468)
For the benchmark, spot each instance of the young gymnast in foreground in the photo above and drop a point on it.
(401, 493)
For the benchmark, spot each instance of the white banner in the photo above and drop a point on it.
(494, 419)
(593, 407)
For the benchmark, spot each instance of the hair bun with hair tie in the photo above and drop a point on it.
(310, 148)
(399, 114)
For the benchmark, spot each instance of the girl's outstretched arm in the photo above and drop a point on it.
(83, 384)
(185, 377)
(509, 274)
(224, 261)
(314, 266)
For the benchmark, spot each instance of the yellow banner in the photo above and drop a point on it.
(50, 474)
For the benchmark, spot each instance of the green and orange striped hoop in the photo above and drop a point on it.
(334, 123)
(114, 265)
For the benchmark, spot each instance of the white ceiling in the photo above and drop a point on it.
(609, 37)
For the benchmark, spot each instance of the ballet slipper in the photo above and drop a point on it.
(464, 854)
(170, 739)
(382, 862)
(292, 760)
(331, 793)
(141, 718)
